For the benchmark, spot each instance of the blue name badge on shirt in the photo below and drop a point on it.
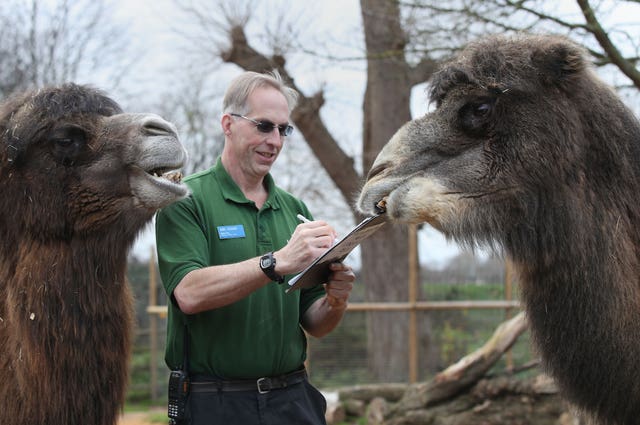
(234, 231)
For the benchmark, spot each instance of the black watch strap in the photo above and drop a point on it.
(268, 266)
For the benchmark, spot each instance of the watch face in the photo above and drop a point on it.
(265, 262)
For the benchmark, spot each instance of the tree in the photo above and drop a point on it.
(386, 276)
(191, 110)
(595, 24)
(44, 43)
(403, 44)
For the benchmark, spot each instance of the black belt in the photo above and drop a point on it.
(263, 385)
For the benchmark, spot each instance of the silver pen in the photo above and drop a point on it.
(303, 218)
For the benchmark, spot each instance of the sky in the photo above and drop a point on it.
(149, 22)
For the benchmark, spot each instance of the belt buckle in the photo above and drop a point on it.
(259, 383)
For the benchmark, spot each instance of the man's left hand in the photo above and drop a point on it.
(340, 284)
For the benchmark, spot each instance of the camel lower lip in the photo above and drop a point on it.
(164, 181)
(171, 182)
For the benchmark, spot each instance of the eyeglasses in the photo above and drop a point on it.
(265, 126)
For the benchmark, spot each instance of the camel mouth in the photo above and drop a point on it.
(158, 186)
(169, 178)
(173, 176)
(381, 206)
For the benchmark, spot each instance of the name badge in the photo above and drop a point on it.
(234, 231)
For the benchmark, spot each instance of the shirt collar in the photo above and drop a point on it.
(232, 192)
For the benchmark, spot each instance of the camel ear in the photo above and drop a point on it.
(14, 147)
(559, 63)
(13, 150)
(14, 143)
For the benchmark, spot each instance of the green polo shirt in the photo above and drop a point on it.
(259, 335)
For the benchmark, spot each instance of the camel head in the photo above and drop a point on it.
(518, 126)
(72, 163)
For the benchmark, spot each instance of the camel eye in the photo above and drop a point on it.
(483, 109)
(67, 144)
(474, 116)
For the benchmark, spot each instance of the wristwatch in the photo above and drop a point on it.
(268, 266)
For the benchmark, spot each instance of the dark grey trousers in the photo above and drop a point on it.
(298, 404)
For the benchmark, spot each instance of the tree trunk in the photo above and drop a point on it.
(386, 106)
(385, 265)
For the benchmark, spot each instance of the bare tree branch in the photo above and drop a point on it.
(594, 27)
(46, 43)
(424, 69)
(521, 5)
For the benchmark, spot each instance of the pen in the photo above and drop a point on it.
(303, 218)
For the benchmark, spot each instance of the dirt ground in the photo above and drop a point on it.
(138, 418)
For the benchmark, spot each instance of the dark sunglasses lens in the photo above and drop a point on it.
(285, 130)
(268, 126)
(265, 126)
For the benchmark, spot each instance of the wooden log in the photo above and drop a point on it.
(335, 413)
(376, 411)
(391, 392)
(463, 394)
(466, 372)
(505, 408)
(354, 407)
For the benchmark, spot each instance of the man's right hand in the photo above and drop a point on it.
(308, 242)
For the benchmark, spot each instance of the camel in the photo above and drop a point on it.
(78, 180)
(529, 153)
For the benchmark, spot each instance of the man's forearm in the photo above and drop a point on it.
(322, 317)
(216, 286)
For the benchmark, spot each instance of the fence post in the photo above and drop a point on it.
(508, 296)
(153, 325)
(414, 268)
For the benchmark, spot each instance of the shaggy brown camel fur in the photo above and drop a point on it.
(78, 180)
(528, 152)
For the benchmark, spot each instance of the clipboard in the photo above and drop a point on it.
(318, 271)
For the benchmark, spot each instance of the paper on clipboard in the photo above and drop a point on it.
(318, 271)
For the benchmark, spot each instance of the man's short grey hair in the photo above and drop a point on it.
(235, 99)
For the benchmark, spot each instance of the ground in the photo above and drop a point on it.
(140, 418)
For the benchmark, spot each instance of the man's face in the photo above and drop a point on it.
(255, 151)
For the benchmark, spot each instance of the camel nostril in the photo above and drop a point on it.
(156, 126)
(156, 130)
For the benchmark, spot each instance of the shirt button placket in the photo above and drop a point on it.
(264, 241)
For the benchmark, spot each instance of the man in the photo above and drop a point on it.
(223, 254)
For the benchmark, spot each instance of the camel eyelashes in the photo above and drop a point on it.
(64, 142)
(496, 90)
